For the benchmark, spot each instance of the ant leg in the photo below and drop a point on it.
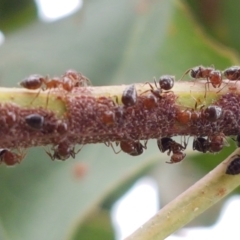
(21, 154)
(145, 144)
(152, 89)
(196, 101)
(184, 143)
(225, 86)
(226, 142)
(155, 82)
(170, 162)
(169, 151)
(35, 96)
(185, 74)
(206, 84)
(116, 100)
(89, 82)
(49, 154)
(109, 144)
(79, 149)
(47, 98)
(212, 66)
(116, 152)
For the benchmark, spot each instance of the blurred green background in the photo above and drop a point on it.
(111, 42)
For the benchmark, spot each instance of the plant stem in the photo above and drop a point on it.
(199, 197)
(96, 114)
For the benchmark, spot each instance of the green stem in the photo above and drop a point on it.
(97, 115)
(199, 197)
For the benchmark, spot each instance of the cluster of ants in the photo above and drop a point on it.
(213, 76)
(212, 144)
(72, 79)
(69, 80)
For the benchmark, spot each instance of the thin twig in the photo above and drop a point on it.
(194, 201)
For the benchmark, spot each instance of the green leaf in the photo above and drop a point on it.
(15, 14)
(220, 20)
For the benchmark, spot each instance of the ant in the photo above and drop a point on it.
(212, 113)
(70, 80)
(11, 158)
(133, 148)
(177, 157)
(129, 96)
(212, 76)
(167, 144)
(234, 166)
(166, 82)
(192, 114)
(35, 121)
(63, 151)
(198, 72)
(213, 144)
(76, 79)
(34, 82)
(232, 73)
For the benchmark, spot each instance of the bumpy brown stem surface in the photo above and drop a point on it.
(96, 114)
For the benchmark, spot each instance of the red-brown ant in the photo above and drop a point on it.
(167, 144)
(70, 80)
(76, 79)
(11, 158)
(232, 73)
(216, 143)
(133, 148)
(213, 144)
(33, 82)
(177, 157)
(63, 151)
(209, 73)
(198, 72)
(129, 96)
